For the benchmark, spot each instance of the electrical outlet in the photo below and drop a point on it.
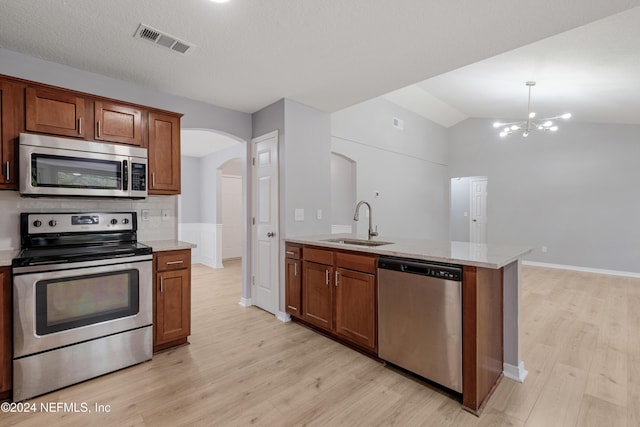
(166, 214)
(544, 249)
(145, 214)
(319, 214)
(298, 214)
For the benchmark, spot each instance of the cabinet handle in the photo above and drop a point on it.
(336, 278)
(80, 126)
(153, 180)
(290, 253)
(326, 277)
(174, 262)
(161, 284)
(295, 268)
(292, 308)
(98, 128)
(8, 171)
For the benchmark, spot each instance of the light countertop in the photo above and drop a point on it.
(6, 256)
(168, 245)
(462, 253)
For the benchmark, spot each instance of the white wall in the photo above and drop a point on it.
(407, 167)
(574, 191)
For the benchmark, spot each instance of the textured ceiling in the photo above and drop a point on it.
(328, 54)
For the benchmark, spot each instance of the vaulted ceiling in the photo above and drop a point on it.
(331, 54)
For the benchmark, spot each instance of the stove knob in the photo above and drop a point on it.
(125, 221)
(37, 223)
(114, 221)
(52, 223)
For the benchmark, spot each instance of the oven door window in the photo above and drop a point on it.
(73, 172)
(72, 302)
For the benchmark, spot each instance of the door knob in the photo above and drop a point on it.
(475, 220)
(271, 234)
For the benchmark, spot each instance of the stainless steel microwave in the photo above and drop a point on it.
(51, 166)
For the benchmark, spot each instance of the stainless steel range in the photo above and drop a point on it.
(82, 299)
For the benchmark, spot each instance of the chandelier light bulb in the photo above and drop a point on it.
(566, 116)
(532, 114)
(515, 127)
(503, 134)
(497, 124)
(525, 134)
(547, 123)
(553, 128)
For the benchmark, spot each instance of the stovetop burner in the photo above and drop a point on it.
(58, 255)
(58, 238)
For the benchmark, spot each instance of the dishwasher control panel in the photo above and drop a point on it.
(424, 268)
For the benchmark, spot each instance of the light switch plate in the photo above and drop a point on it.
(298, 214)
(319, 214)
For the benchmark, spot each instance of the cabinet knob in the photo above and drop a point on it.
(271, 234)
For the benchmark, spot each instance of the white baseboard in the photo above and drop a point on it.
(516, 373)
(283, 317)
(583, 269)
(245, 302)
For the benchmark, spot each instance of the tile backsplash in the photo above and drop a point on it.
(159, 222)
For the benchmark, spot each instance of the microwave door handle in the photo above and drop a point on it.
(125, 175)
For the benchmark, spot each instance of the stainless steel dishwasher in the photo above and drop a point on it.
(420, 318)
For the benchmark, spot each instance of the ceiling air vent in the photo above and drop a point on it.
(164, 40)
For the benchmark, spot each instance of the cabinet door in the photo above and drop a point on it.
(317, 294)
(9, 134)
(164, 154)
(293, 289)
(118, 123)
(173, 305)
(356, 307)
(6, 351)
(58, 113)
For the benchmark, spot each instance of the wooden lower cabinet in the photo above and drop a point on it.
(293, 282)
(6, 349)
(339, 294)
(172, 298)
(356, 307)
(317, 294)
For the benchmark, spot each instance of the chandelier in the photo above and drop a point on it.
(526, 126)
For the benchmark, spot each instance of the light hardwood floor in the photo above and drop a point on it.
(581, 346)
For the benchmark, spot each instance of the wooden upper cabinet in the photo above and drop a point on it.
(10, 103)
(164, 154)
(55, 112)
(118, 123)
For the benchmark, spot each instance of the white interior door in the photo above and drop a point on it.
(265, 228)
(479, 210)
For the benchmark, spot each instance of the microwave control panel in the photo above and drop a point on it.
(138, 177)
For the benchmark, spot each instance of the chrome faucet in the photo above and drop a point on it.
(372, 233)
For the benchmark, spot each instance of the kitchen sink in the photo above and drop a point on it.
(359, 242)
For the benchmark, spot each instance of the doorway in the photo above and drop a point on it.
(208, 155)
(230, 202)
(468, 209)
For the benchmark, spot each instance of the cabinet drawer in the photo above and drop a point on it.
(293, 251)
(173, 260)
(321, 256)
(357, 262)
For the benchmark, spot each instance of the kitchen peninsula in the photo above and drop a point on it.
(332, 285)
